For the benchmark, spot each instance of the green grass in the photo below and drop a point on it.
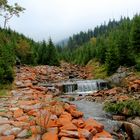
(137, 73)
(99, 71)
(5, 89)
(4, 92)
(132, 107)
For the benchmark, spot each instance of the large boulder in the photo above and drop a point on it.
(132, 130)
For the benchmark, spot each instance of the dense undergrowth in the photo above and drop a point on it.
(128, 107)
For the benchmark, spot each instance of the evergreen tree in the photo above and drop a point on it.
(135, 35)
(52, 54)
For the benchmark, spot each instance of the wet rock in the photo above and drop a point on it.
(132, 130)
(76, 114)
(103, 134)
(80, 123)
(84, 133)
(118, 117)
(94, 124)
(134, 120)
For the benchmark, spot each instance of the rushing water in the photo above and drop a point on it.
(84, 86)
(95, 110)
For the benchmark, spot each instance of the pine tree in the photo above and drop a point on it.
(135, 35)
(52, 54)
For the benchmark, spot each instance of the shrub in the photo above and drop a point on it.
(132, 107)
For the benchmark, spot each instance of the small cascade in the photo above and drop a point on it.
(69, 87)
(87, 86)
(83, 86)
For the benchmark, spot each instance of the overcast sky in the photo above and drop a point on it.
(59, 19)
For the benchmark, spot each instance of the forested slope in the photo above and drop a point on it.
(113, 44)
(16, 47)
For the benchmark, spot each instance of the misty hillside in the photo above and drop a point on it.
(115, 44)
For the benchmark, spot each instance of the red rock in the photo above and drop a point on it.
(64, 118)
(32, 122)
(23, 118)
(69, 126)
(69, 107)
(57, 110)
(63, 121)
(92, 123)
(49, 136)
(31, 102)
(103, 134)
(84, 133)
(41, 121)
(10, 137)
(53, 130)
(66, 138)
(66, 133)
(134, 88)
(76, 114)
(35, 129)
(79, 122)
(102, 139)
(51, 123)
(123, 98)
(66, 115)
(32, 112)
(18, 113)
(20, 124)
(137, 82)
(91, 129)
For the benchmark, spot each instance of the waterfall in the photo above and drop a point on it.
(87, 85)
(70, 87)
(84, 86)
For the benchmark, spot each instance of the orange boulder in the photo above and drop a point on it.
(103, 134)
(91, 123)
(18, 113)
(49, 136)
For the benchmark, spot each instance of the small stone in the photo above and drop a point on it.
(13, 131)
(11, 137)
(118, 117)
(23, 133)
(104, 134)
(71, 134)
(4, 127)
(66, 138)
(18, 113)
(84, 133)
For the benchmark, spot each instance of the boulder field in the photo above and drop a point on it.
(31, 112)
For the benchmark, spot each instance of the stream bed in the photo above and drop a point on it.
(95, 110)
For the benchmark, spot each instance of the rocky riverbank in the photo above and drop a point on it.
(123, 104)
(31, 112)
